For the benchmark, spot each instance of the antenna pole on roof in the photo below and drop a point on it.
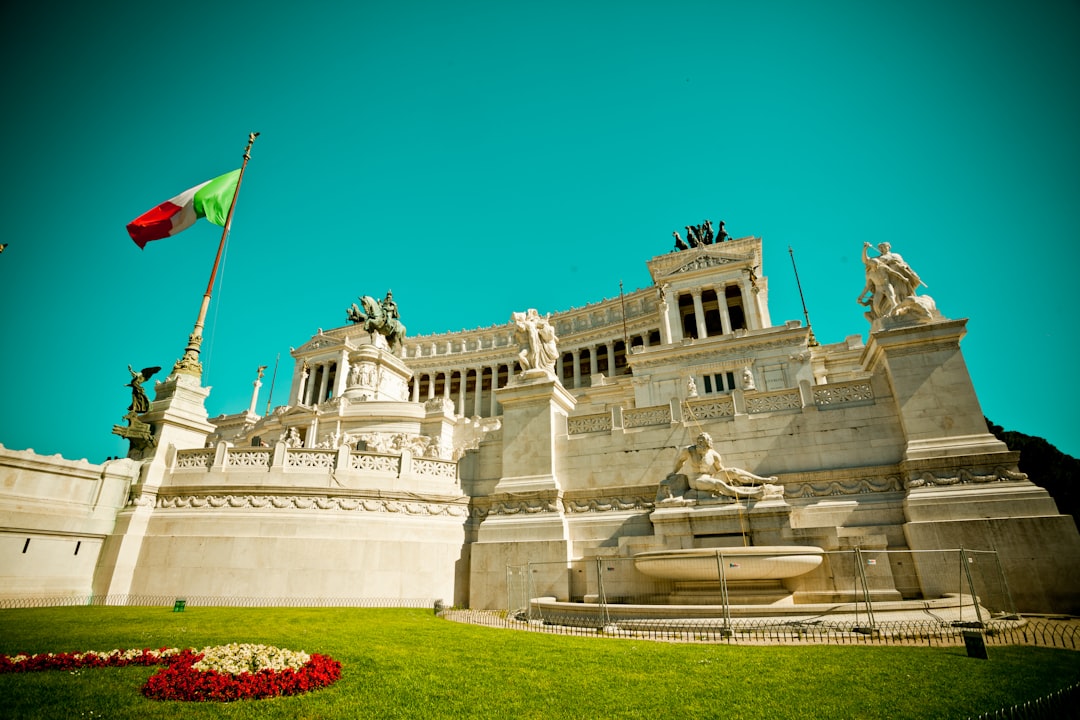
(806, 315)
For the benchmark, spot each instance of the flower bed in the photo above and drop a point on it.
(220, 673)
(89, 659)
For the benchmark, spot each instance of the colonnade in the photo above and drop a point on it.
(471, 389)
(319, 382)
(711, 310)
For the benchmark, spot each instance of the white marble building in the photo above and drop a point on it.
(426, 473)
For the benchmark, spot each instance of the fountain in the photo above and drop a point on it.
(723, 546)
(769, 562)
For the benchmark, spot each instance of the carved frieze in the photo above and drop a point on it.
(964, 476)
(855, 486)
(303, 502)
(607, 504)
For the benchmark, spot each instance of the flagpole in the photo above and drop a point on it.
(189, 364)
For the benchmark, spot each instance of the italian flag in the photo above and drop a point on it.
(210, 200)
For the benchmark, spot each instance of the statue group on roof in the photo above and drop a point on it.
(700, 235)
(890, 293)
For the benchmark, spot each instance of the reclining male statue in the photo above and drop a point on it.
(709, 478)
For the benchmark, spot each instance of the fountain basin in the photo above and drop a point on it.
(766, 562)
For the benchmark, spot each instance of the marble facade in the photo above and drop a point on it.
(427, 472)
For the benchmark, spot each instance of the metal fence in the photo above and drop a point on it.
(854, 586)
(212, 601)
(1045, 632)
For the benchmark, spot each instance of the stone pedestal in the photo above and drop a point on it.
(178, 413)
(1038, 548)
(376, 374)
(935, 400)
(525, 524)
(179, 418)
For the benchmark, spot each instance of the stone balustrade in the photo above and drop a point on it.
(727, 406)
(280, 457)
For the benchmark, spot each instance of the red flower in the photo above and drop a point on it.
(179, 681)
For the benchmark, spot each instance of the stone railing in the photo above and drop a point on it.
(309, 459)
(726, 407)
(835, 394)
(194, 459)
(282, 458)
(642, 417)
(374, 462)
(249, 458)
(712, 409)
(595, 422)
(773, 401)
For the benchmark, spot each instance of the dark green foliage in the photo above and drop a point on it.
(1048, 467)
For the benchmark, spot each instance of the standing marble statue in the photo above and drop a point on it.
(536, 338)
(891, 286)
(708, 477)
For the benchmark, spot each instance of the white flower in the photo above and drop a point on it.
(238, 658)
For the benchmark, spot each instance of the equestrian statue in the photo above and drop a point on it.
(379, 316)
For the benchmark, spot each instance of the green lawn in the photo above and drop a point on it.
(410, 664)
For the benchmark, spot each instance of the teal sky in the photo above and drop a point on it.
(484, 157)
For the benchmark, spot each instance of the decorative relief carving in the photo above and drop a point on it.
(597, 422)
(253, 458)
(858, 486)
(435, 468)
(658, 415)
(368, 461)
(839, 393)
(770, 402)
(517, 507)
(607, 504)
(142, 500)
(315, 459)
(300, 502)
(963, 477)
(712, 409)
(199, 459)
(703, 261)
(439, 404)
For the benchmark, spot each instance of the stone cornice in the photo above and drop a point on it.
(743, 251)
(715, 349)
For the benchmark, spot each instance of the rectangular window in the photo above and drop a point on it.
(78, 544)
(26, 545)
(719, 382)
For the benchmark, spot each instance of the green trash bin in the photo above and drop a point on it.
(178, 606)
